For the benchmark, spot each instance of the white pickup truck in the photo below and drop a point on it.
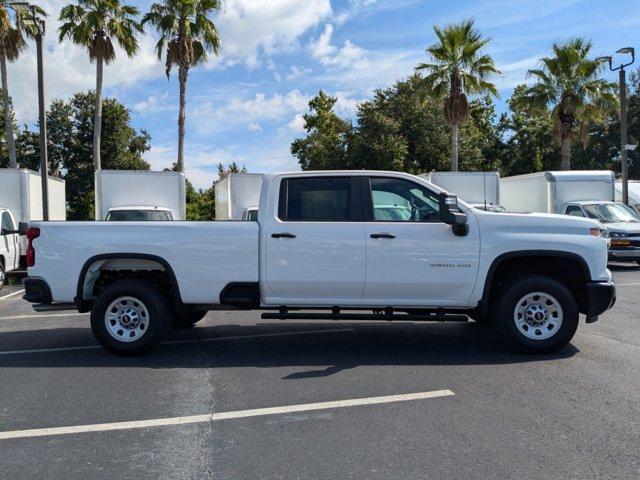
(323, 248)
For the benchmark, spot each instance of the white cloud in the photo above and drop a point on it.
(297, 123)
(297, 72)
(154, 104)
(254, 127)
(251, 27)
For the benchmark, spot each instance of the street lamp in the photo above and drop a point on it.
(623, 114)
(39, 26)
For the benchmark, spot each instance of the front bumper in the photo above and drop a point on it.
(625, 254)
(36, 290)
(601, 296)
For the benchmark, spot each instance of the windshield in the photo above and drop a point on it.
(610, 212)
(139, 216)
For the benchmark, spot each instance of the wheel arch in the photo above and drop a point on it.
(80, 299)
(505, 259)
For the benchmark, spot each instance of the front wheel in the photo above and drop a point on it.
(2, 276)
(537, 314)
(129, 318)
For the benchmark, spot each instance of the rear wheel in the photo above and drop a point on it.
(129, 318)
(2, 276)
(537, 314)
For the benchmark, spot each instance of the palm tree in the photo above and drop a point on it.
(188, 34)
(570, 85)
(12, 43)
(458, 68)
(93, 24)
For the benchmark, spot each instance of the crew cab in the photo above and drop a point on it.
(9, 244)
(325, 247)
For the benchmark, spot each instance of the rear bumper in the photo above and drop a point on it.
(36, 290)
(601, 296)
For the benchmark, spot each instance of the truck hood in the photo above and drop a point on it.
(536, 222)
(626, 227)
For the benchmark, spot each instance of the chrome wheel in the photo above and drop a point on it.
(126, 319)
(538, 316)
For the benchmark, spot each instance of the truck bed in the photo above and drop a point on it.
(204, 256)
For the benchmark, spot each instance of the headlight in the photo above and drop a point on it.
(618, 235)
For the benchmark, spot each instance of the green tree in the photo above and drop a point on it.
(232, 168)
(12, 43)
(201, 204)
(70, 146)
(94, 24)
(325, 146)
(569, 84)
(187, 33)
(458, 68)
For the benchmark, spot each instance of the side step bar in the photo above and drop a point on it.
(53, 307)
(384, 315)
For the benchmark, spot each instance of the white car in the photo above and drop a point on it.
(9, 244)
(621, 222)
(324, 241)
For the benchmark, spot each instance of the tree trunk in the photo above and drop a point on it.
(8, 125)
(454, 147)
(97, 119)
(183, 72)
(565, 150)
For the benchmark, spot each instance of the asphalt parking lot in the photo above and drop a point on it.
(241, 398)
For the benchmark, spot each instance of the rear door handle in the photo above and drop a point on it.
(283, 235)
(383, 235)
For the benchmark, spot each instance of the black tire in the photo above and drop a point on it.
(2, 276)
(508, 301)
(187, 319)
(151, 299)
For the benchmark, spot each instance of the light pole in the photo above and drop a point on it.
(39, 27)
(623, 115)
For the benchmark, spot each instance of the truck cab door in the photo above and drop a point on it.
(10, 243)
(314, 247)
(412, 257)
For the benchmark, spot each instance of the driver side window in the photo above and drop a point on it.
(398, 200)
(7, 223)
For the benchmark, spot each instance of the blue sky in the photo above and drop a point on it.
(246, 106)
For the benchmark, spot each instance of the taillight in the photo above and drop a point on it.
(32, 233)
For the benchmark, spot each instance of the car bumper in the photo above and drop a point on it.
(631, 254)
(36, 290)
(601, 296)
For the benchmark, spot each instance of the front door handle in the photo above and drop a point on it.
(283, 235)
(383, 235)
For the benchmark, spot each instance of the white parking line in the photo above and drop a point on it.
(18, 317)
(179, 342)
(12, 294)
(626, 284)
(213, 417)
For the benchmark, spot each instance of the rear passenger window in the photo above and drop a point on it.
(315, 199)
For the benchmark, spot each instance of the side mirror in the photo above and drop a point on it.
(22, 228)
(451, 214)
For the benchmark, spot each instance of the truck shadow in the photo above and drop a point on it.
(342, 346)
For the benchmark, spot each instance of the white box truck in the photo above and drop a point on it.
(479, 189)
(634, 193)
(21, 193)
(237, 196)
(551, 192)
(139, 195)
(588, 193)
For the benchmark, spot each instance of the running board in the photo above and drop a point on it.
(54, 307)
(407, 317)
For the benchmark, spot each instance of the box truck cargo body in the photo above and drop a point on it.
(141, 191)
(237, 193)
(21, 192)
(634, 193)
(550, 192)
(475, 188)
